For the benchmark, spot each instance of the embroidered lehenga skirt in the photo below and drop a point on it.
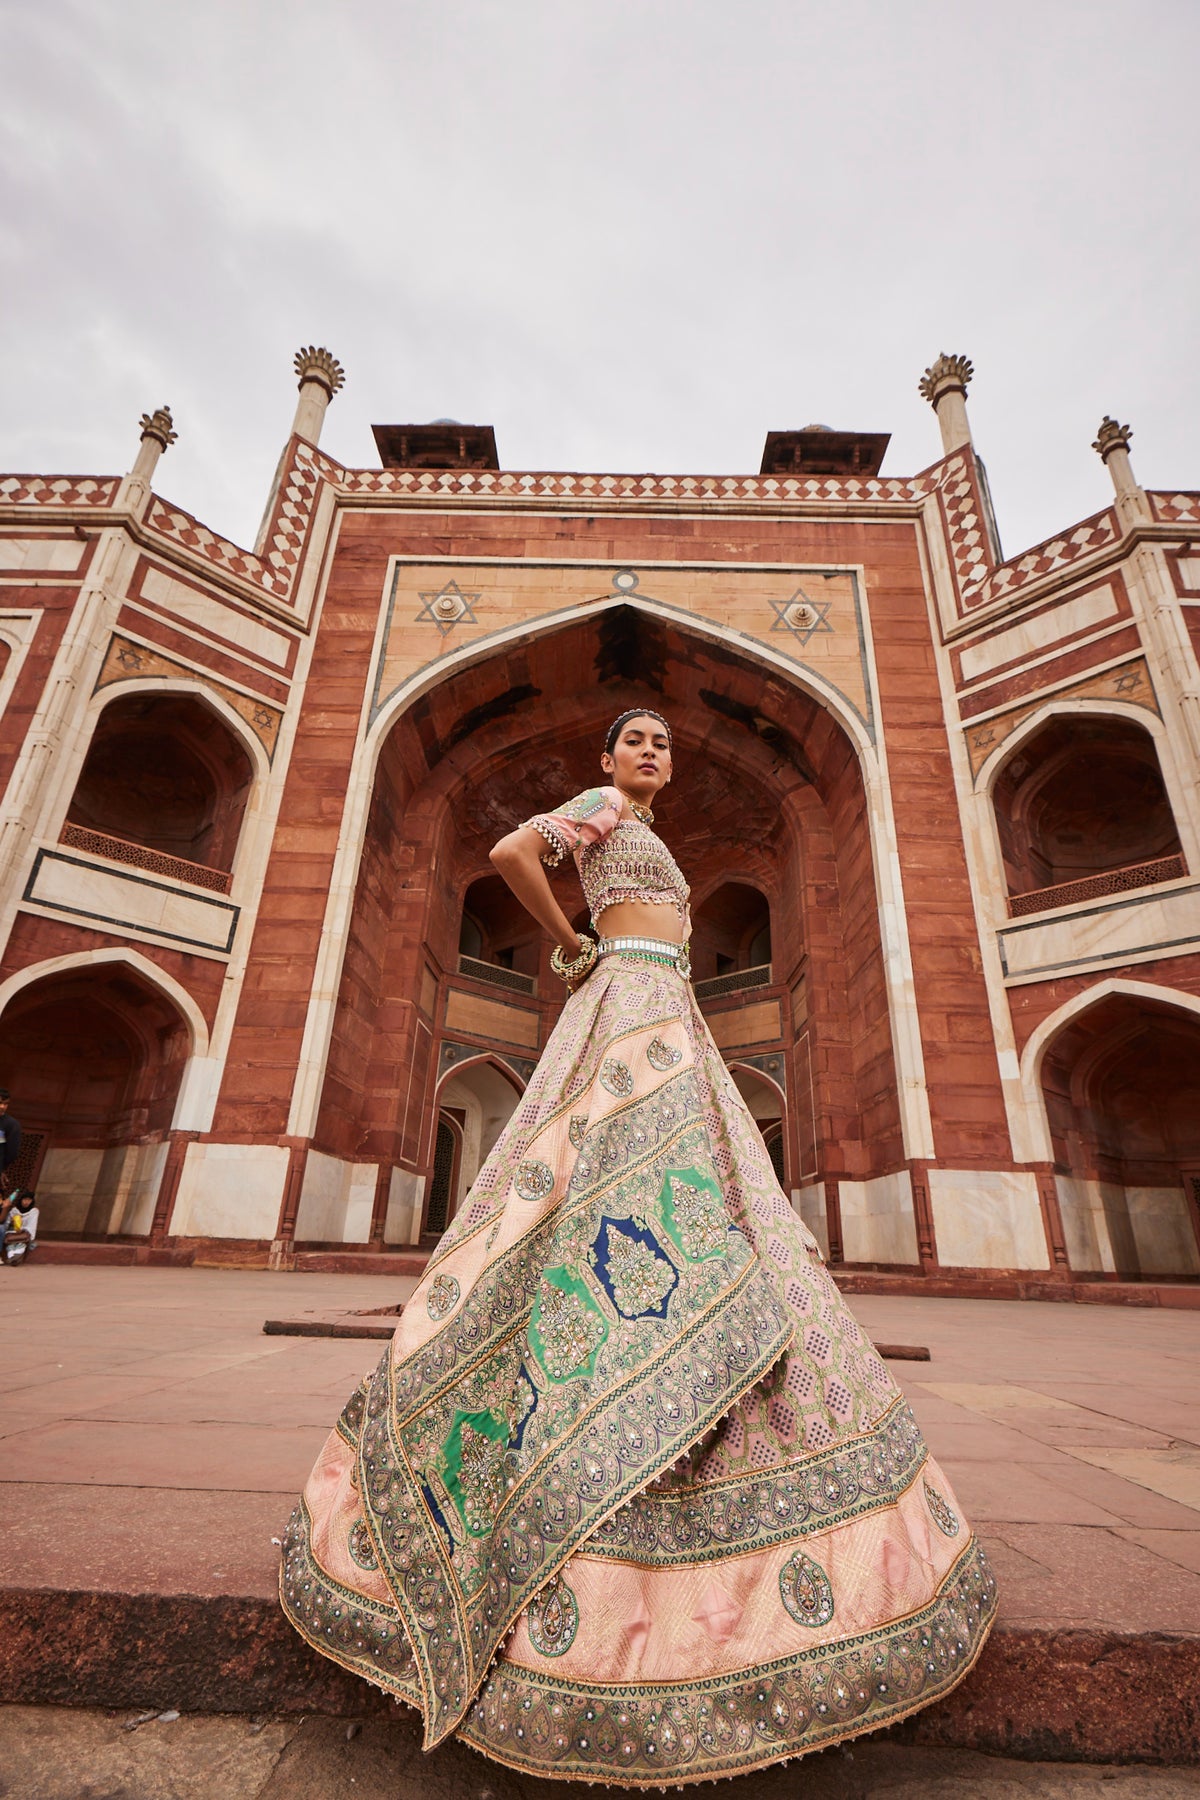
(630, 1497)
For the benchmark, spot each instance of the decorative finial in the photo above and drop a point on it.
(1111, 436)
(316, 364)
(946, 373)
(159, 426)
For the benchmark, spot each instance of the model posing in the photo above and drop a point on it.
(630, 1497)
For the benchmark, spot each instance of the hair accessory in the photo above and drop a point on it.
(582, 965)
(634, 712)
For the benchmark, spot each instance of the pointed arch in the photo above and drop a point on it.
(472, 1062)
(1043, 1035)
(133, 959)
(379, 718)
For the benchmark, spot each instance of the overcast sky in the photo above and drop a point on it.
(630, 234)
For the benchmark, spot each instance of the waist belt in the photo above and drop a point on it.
(659, 950)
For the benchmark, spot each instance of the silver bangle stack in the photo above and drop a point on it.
(583, 964)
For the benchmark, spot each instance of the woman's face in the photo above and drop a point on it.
(640, 760)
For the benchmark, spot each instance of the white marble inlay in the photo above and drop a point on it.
(1086, 1207)
(210, 615)
(1162, 1231)
(406, 1199)
(336, 1200)
(41, 553)
(809, 1202)
(66, 1184)
(987, 1219)
(230, 1190)
(146, 903)
(1038, 633)
(878, 1224)
(1103, 931)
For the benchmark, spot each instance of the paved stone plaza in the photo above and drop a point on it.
(62, 1754)
(154, 1439)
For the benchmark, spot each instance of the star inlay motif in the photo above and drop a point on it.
(800, 615)
(447, 607)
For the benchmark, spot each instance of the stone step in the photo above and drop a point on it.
(1075, 1695)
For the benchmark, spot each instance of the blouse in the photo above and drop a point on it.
(617, 859)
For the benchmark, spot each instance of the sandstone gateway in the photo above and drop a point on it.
(263, 1000)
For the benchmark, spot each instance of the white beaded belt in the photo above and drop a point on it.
(653, 949)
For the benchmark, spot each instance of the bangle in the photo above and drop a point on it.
(574, 971)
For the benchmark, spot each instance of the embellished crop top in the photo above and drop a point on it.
(617, 859)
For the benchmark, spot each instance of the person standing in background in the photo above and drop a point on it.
(10, 1138)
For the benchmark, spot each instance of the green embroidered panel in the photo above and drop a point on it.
(472, 1467)
(694, 1213)
(566, 1326)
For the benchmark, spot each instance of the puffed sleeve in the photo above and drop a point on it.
(584, 820)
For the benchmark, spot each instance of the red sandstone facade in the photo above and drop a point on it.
(261, 994)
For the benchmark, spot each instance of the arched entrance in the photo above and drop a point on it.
(475, 1103)
(164, 782)
(767, 814)
(94, 1055)
(1082, 809)
(766, 1106)
(1121, 1083)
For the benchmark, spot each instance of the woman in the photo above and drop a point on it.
(631, 1498)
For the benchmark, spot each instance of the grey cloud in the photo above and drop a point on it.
(629, 236)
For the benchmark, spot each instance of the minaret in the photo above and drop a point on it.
(158, 434)
(321, 375)
(944, 385)
(1112, 445)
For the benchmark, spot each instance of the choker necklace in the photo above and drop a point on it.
(642, 814)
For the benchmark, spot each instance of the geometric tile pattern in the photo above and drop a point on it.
(954, 480)
(1042, 559)
(58, 490)
(276, 569)
(1175, 509)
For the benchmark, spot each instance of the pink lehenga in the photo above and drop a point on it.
(630, 1497)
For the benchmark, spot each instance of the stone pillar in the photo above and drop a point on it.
(944, 385)
(321, 375)
(1112, 445)
(158, 434)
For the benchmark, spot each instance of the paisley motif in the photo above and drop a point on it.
(360, 1546)
(577, 1130)
(805, 1590)
(442, 1297)
(553, 1619)
(534, 1180)
(944, 1515)
(661, 1055)
(615, 1076)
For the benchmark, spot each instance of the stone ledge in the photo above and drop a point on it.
(951, 1284)
(1076, 1696)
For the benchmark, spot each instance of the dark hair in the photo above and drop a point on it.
(635, 712)
(4, 1094)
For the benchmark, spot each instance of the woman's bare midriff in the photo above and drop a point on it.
(635, 918)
